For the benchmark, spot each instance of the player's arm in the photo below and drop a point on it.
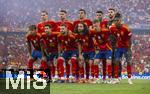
(80, 51)
(59, 48)
(129, 34)
(43, 47)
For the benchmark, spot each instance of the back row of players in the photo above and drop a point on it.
(76, 49)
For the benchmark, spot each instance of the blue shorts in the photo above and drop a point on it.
(119, 52)
(105, 54)
(52, 56)
(36, 54)
(89, 55)
(69, 54)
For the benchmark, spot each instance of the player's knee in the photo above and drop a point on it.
(108, 61)
(44, 58)
(91, 61)
(60, 59)
(96, 61)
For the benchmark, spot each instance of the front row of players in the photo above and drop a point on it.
(74, 56)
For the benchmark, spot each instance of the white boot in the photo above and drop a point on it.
(130, 81)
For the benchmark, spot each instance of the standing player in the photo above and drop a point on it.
(123, 45)
(45, 20)
(82, 18)
(112, 13)
(63, 20)
(68, 48)
(33, 41)
(99, 16)
(86, 49)
(49, 44)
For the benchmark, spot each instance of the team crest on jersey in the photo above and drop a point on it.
(83, 40)
(66, 42)
(122, 33)
(34, 41)
(99, 37)
(50, 40)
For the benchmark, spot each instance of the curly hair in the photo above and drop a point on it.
(86, 30)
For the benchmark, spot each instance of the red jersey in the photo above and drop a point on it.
(68, 24)
(86, 42)
(41, 25)
(101, 39)
(122, 34)
(67, 42)
(50, 42)
(86, 21)
(34, 40)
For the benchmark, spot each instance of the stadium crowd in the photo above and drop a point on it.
(135, 12)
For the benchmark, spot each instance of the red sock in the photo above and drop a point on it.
(92, 70)
(30, 64)
(116, 71)
(67, 69)
(104, 69)
(109, 70)
(77, 70)
(74, 66)
(60, 67)
(87, 70)
(43, 64)
(96, 72)
(81, 72)
(129, 71)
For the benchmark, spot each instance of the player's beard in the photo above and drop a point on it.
(63, 19)
(118, 25)
(64, 33)
(100, 19)
(81, 32)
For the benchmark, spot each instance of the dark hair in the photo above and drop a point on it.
(118, 15)
(82, 10)
(64, 11)
(112, 9)
(99, 11)
(63, 25)
(86, 30)
(45, 12)
(32, 27)
(48, 25)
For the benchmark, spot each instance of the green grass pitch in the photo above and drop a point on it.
(139, 87)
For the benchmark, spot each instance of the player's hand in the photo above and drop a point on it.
(30, 56)
(80, 57)
(96, 51)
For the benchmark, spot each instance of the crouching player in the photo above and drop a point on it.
(104, 50)
(68, 49)
(33, 42)
(86, 50)
(123, 45)
(49, 45)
